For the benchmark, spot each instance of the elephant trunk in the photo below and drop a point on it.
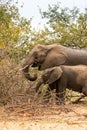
(25, 69)
(38, 86)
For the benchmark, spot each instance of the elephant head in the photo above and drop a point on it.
(34, 59)
(49, 76)
(43, 57)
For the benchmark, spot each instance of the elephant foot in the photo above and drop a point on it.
(60, 102)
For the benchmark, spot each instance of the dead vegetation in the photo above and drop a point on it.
(31, 116)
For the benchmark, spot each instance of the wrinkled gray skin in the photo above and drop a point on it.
(71, 77)
(47, 56)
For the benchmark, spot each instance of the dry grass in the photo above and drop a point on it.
(31, 117)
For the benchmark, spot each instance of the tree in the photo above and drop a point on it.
(14, 30)
(67, 27)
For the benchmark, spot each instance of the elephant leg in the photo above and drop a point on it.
(57, 92)
(57, 95)
(60, 94)
(47, 95)
(60, 97)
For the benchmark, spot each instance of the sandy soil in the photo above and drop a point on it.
(27, 117)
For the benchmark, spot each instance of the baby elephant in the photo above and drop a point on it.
(71, 77)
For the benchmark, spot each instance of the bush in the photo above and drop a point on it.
(12, 81)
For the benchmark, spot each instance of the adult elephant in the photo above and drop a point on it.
(47, 56)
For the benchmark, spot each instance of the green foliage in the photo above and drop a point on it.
(64, 26)
(67, 27)
(14, 31)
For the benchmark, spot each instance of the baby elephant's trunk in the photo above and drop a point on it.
(39, 83)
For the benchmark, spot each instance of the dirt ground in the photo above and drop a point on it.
(43, 117)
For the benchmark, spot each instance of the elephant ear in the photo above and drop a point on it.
(55, 74)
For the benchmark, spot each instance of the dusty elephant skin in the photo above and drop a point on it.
(71, 77)
(47, 56)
